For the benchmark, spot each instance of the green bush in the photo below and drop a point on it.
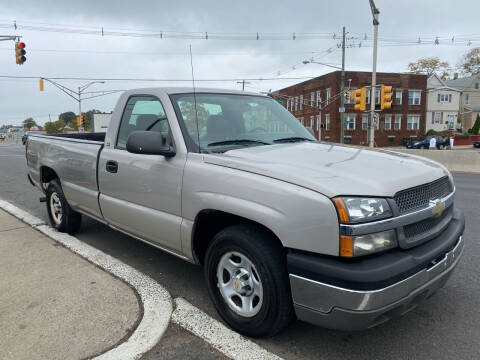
(462, 136)
(476, 127)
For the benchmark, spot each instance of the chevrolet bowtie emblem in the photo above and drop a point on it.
(438, 207)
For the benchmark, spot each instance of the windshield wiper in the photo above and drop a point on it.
(292, 139)
(238, 142)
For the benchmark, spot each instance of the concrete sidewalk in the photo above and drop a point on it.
(53, 303)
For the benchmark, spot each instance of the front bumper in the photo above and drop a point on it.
(369, 292)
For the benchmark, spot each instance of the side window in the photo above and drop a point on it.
(142, 113)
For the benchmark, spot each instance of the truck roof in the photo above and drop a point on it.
(189, 90)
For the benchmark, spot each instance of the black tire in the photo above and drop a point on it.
(269, 259)
(70, 220)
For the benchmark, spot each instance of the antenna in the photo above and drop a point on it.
(195, 99)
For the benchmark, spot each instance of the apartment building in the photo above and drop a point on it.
(316, 104)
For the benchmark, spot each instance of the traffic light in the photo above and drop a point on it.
(360, 99)
(385, 97)
(20, 53)
(80, 120)
(41, 84)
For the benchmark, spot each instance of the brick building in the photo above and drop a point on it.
(316, 104)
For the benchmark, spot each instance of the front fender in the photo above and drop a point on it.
(301, 218)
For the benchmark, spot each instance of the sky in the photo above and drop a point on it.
(136, 50)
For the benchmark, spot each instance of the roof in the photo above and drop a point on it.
(443, 88)
(461, 83)
(472, 107)
(189, 90)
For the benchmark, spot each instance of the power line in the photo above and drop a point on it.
(154, 80)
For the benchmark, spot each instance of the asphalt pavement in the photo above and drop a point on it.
(444, 327)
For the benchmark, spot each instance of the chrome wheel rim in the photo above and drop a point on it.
(239, 284)
(56, 208)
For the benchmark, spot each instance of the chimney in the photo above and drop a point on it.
(455, 76)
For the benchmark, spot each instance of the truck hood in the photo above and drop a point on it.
(333, 169)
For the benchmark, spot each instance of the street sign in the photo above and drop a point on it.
(280, 101)
(341, 109)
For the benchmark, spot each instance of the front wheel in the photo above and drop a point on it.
(246, 273)
(61, 215)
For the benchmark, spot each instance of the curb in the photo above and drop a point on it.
(157, 302)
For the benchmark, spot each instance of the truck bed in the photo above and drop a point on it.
(73, 157)
(99, 136)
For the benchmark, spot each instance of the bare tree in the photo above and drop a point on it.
(429, 66)
(470, 63)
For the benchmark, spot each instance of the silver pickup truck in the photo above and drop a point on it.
(344, 237)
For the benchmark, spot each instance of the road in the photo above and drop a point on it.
(444, 327)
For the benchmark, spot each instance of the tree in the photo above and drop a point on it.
(429, 66)
(54, 127)
(67, 117)
(476, 127)
(470, 63)
(29, 123)
(87, 124)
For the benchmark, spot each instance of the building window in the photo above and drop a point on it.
(442, 98)
(319, 99)
(414, 97)
(327, 138)
(351, 98)
(301, 102)
(312, 119)
(350, 121)
(413, 122)
(329, 93)
(364, 122)
(296, 103)
(319, 122)
(301, 120)
(391, 138)
(288, 104)
(476, 86)
(327, 122)
(398, 122)
(347, 139)
(437, 117)
(377, 96)
(467, 99)
(388, 122)
(312, 98)
(398, 96)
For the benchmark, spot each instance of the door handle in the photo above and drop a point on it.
(112, 166)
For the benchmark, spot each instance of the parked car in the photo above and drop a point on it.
(424, 143)
(476, 144)
(340, 236)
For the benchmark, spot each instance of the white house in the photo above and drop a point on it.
(443, 104)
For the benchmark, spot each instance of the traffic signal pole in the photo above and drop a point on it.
(342, 91)
(373, 90)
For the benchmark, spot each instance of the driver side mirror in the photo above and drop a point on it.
(149, 143)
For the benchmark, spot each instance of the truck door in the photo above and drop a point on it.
(141, 194)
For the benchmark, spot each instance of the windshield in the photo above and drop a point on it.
(226, 120)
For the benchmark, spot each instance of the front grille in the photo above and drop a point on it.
(421, 227)
(420, 196)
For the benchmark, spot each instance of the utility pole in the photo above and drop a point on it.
(373, 89)
(243, 82)
(342, 90)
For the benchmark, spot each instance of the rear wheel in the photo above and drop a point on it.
(246, 273)
(61, 215)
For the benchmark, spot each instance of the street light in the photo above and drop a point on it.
(305, 62)
(80, 90)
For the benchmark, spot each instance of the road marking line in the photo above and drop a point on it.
(227, 341)
(157, 303)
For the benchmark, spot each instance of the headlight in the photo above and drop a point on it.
(416, 144)
(357, 209)
(351, 246)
